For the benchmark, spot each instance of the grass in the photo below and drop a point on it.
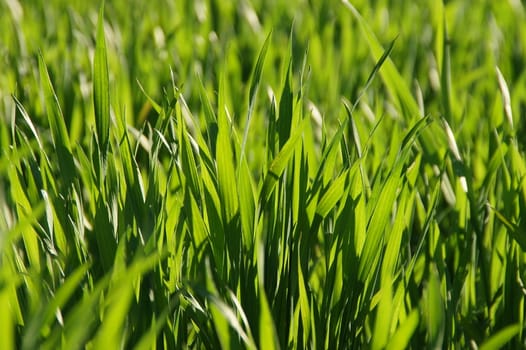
(252, 175)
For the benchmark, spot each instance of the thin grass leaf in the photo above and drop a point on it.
(303, 302)
(384, 315)
(25, 209)
(372, 75)
(254, 84)
(328, 159)
(188, 159)
(506, 98)
(57, 125)
(101, 88)
(29, 122)
(333, 194)
(226, 173)
(512, 229)
(210, 117)
(268, 337)
(219, 319)
(247, 204)
(154, 104)
(284, 122)
(434, 311)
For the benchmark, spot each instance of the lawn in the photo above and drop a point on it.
(262, 174)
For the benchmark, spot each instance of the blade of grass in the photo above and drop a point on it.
(402, 336)
(501, 338)
(434, 311)
(254, 84)
(101, 88)
(57, 125)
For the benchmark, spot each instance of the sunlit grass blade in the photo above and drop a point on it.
(333, 194)
(383, 317)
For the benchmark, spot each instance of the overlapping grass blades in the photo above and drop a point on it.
(200, 209)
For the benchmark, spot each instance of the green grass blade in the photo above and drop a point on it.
(24, 209)
(384, 314)
(434, 311)
(247, 204)
(402, 336)
(101, 88)
(226, 173)
(333, 194)
(57, 125)
(7, 316)
(501, 338)
(254, 84)
(268, 337)
(303, 301)
(285, 108)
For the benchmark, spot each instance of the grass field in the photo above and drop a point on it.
(262, 174)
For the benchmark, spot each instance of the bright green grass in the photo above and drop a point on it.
(265, 174)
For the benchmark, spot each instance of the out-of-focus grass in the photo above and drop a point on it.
(262, 174)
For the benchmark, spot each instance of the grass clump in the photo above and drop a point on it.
(245, 175)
